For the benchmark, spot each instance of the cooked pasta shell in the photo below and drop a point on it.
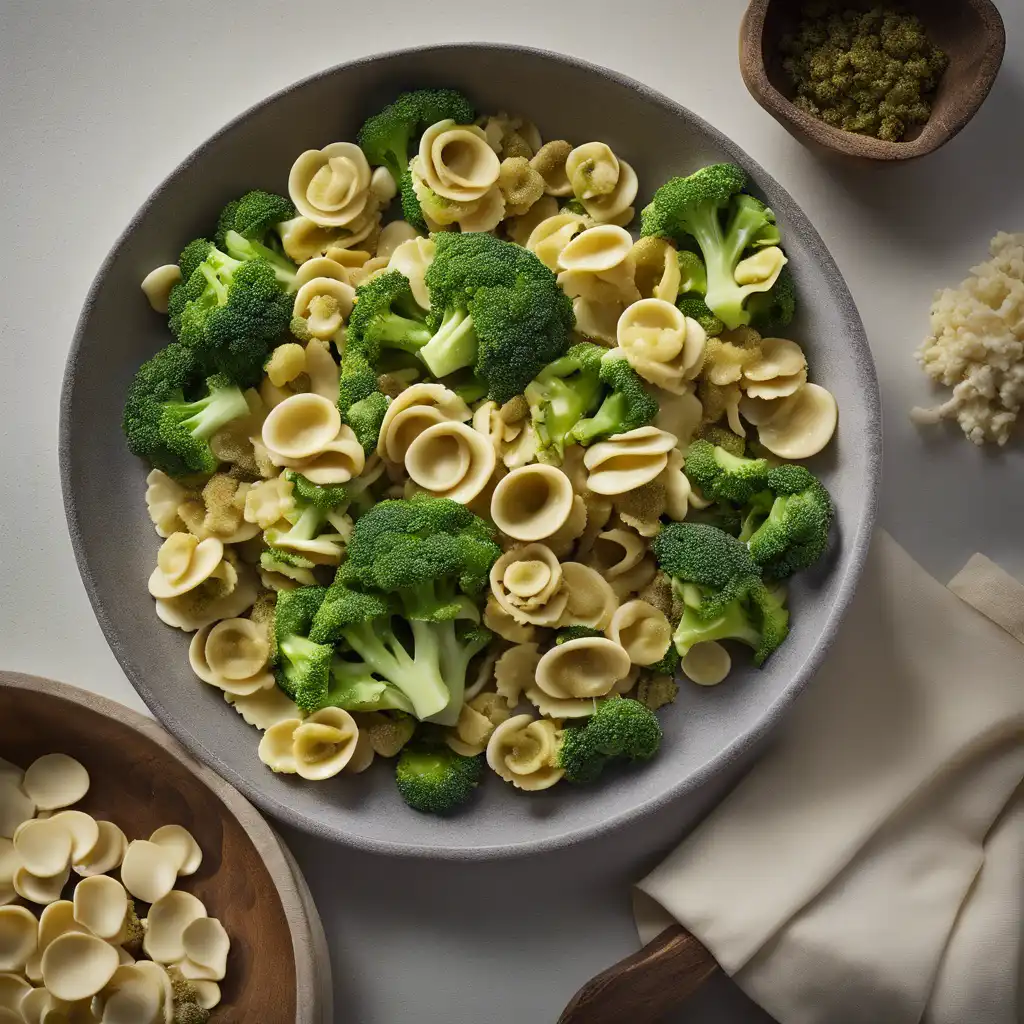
(523, 751)
(412, 258)
(707, 663)
(615, 206)
(451, 460)
(418, 407)
(457, 162)
(301, 426)
(663, 346)
(533, 502)
(325, 304)
(802, 425)
(322, 746)
(588, 667)
(627, 461)
(590, 599)
(330, 186)
(642, 631)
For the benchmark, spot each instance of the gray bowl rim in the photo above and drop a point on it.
(856, 544)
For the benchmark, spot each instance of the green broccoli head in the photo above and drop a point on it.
(773, 310)
(627, 404)
(303, 666)
(563, 636)
(562, 394)
(794, 534)
(166, 428)
(321, 496)
(412, 212)
(621, 729)
(696, 308)
(434, 779)
(692, 273)
(495, 308)
(709, 206)
(721, 437)
(722, 476)
(385, 315)
(385, 137)
(717, 565)
(354, 688)
(253, 216)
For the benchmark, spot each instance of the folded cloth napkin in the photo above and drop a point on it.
(871, 867)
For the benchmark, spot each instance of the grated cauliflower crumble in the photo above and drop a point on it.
(976, 346)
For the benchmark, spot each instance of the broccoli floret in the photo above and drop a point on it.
(723, 438)
(628, 405)
(562, 394)
(794, 532)
(495, 308)
(563, 636)
(385, 315)
(669, 664)
(709, 206)
(229, 312)
(621, 729)
(322, 496)
(254, 216)
(354, 688)
(722, 476)
(433, 555)
(696, 308)
(245, 249)
(193, 255)
(168, 429)
(412, 212)
(692, 273)
(773, 310)
(758, 618)
(434, 779)
(717, 567)
(132, 931)
(184, 1000)
(303, 666)
(655, 691)
(386, 137)
(316, 509)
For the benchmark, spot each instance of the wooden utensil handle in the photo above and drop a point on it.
(642, 988)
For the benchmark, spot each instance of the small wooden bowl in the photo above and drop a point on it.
(278, 969)
(970, 31)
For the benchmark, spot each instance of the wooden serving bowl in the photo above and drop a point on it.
(278, 968)
(970, 31)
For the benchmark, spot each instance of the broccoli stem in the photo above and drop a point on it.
(221, 406)
(453, 347)
(244, 249)
(395, 331)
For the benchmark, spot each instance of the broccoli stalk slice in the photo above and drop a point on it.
(354, 688)
(453, 347)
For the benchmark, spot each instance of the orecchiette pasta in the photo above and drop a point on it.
(549, 162)
(451, 460)
(324, 303)
(457, 162)
(516, 671)
(412, 258)
(626, 461)
(269, 501)
(288, 361)
(559, 709)
(157, 285)
(642, 631)
(300, 427)
(802, 425)
(331, 186)
(523, 750)
(477, 721)
(564, 539)
(605, 185)
(219, 653)
(264, 708)
(549, 237)
(527, 584)
(413, 411)
(392, 235)
(499, 621)
(663, 346)
(590, 598)
(657, 269)
(707, 663)
(164, 497)
(321, 369)
(616, 552)
(532, 503)
(780, 370)
(634, 580)
(519, 229)
(227, 593)
(303, 239)
(597, 321)
(598, 264)
(183, 563)
(317, 747)
(679, 415)
(677, 487)
(588, 667)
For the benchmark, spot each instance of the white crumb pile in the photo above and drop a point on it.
(976, 346)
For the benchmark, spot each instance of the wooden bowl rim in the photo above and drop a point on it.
(755, 77)
(309, 948)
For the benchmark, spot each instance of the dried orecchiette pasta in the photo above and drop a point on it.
(588, 667)
(598, 264)
(758, 273)
(303, 239)
(677, 487)
(642, 631)
(707, 663)
(629, 460)
(657, 269)
(324, 303)
(499, 621)
(564, 539)
(527, 584)
(591, 601)
(549, 162)
(663, 346)
(331, 186)
(264, 708)
(412, 258)
(320, 266)
(533, 502)
(631, 582)
(411, 412)
(515, 671)
(802, 425)
(605, 185)
(524, 751)
(552, 235)
(679, 415)
(338, 462)
(554, 707)
(451, 460)
(324, 743)
(163, 498)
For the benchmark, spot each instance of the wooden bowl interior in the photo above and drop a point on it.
(139, 786)
(967, 30)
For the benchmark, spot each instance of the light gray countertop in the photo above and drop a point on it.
(101, 99)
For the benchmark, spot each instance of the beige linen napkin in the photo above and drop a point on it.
(871, 867)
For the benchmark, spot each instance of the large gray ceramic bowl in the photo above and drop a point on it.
(116, 546)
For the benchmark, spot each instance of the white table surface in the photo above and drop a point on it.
(100, 99)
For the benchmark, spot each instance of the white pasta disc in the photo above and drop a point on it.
(707, 663)
(8, 894)
(8, 770)
(56, 780)
(15, 806)
(133, 996)
(195, 972)
(265, 708)
(167, 921)
(13, 988)
(40, 890)
(180, 842)
(10, 1016)
(43, 846)
(37, 1006)
(85, 832)
(19, 933)
(207, 944)
(56, 920)
(101, 905)
(77, 966)
(207, 992)
(148, 871)
(160, 978)
(9, 861)
(34, 968)
(106, 855)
